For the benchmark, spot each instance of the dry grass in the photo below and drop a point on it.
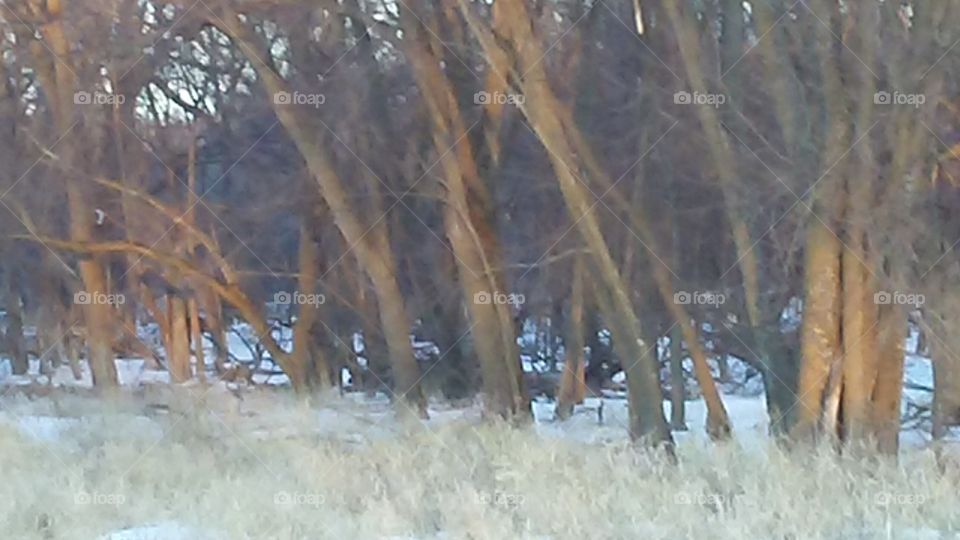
(117, 469)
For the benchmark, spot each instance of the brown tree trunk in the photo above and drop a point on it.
(888, 390)
(215, 325)
(718, 422)
(307, 362)
(572, 383)
(178, 343)
(859, 339)
(97, 315)
(821, 347)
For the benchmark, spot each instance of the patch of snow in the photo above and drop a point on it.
(168, 530)
(41, 428)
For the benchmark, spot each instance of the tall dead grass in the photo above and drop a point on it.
(112, 469)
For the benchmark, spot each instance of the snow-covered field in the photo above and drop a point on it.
(194, 463)
(166, 462)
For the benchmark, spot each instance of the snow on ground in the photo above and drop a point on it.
(176, 463)
(169, 530)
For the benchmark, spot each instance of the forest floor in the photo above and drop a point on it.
(177, 463)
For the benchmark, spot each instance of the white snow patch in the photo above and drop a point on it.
(169, 530)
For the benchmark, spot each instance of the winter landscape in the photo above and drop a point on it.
(461, 269)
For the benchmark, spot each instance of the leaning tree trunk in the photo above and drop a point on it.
(561, 139)
(375, 257)
(472, 237)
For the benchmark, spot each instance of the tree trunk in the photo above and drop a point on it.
(572, 384)
(309, 367)
(97, 315)
(859, 338)
(14, 332)
(178, 343)
(196, 336)
(888, 391)
(821, 347)
(718, 423)
(678, 399)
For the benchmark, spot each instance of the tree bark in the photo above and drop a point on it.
(309, 367)
(178, 348)
(820, 347)
(97, 315)
(888, 390)
(572, 383)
